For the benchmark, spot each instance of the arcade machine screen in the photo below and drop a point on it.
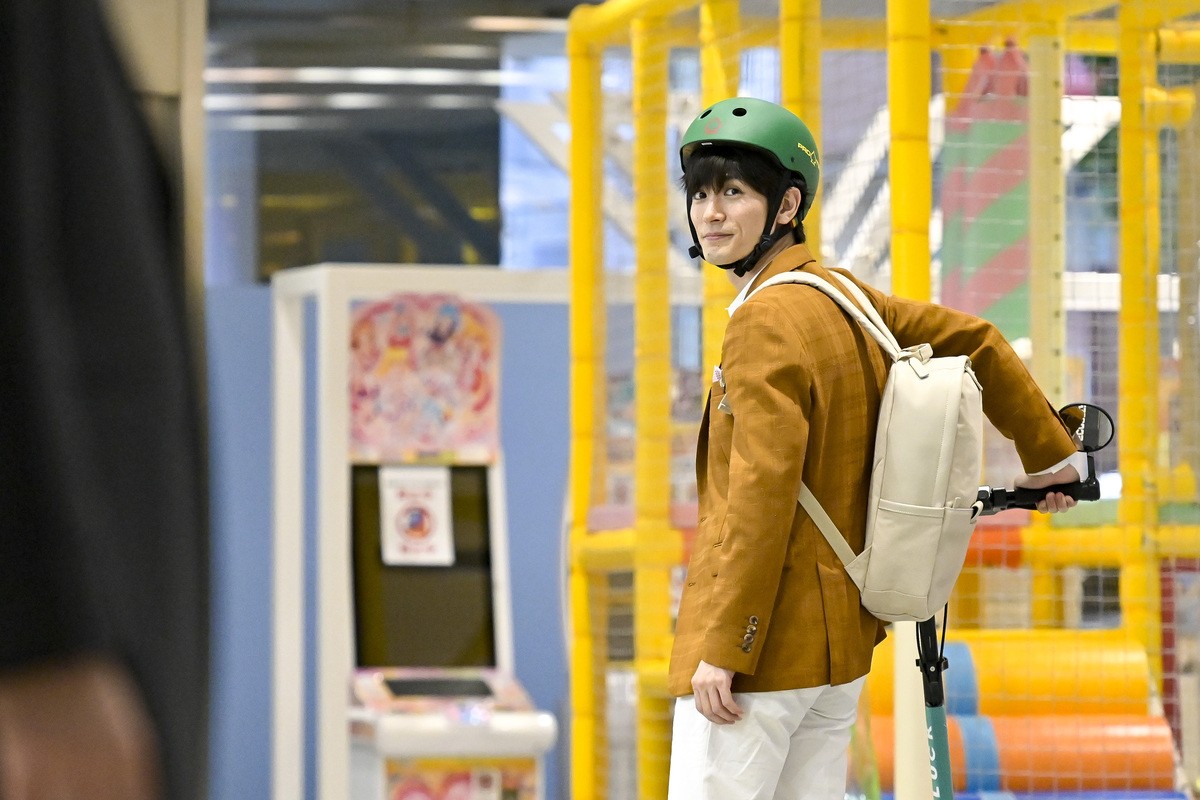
(425, 616)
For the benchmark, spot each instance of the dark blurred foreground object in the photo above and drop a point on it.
(103, 524)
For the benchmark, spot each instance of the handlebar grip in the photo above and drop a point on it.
(1028, 498)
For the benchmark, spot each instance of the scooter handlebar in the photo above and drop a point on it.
(1081, 490)
(995, 500)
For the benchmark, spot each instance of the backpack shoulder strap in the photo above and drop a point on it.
(865, 303)
(828, 529)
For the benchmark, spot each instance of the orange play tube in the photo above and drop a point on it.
(1084, 753)
(995, 546)
(1051, 753)
(1016, 672)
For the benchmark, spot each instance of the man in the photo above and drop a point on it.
(103, 547)
(772, 643)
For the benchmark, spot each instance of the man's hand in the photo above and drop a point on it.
(73, 731)
(714, 699)
(1054, 501)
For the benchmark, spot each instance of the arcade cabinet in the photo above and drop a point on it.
(393, 670)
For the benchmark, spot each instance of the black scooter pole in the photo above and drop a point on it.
(932, 662)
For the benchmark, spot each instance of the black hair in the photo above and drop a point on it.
(716, 165)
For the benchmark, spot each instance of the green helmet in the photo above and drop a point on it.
(771, 128)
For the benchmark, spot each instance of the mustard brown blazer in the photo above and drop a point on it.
(765, 595)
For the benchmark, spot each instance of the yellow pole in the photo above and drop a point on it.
(1189, 295)
(1046, 607)
(1171, 9)
(1047, 216)
(1140, 590)
(1047, 235)
(1020, 14)
(1137, 319)
(909, 167)
(911, 176)
(1175, 108)
(1092, 36)
(1169, 107)
(652, 305)
(587, 373)
(720, 61)
(608, 22)
(800, 80)
(652, 373)
(1179, 45)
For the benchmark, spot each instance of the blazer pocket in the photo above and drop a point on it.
(695, 569)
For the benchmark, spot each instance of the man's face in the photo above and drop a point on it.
(729, 220)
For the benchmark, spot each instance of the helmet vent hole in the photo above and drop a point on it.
(707, 111)
(739, 112)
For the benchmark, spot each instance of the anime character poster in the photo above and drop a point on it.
(416, 525)
(462, 779)
(424, 378)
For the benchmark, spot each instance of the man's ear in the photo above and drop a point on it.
(789, 207)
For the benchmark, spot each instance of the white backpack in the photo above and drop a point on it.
(923, 502)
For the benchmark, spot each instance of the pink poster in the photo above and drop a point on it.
(424, 377)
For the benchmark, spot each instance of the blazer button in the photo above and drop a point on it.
(751, 629)
(753, 620)
(746, 648)
(748, 638)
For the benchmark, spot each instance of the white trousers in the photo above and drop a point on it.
(789, 745)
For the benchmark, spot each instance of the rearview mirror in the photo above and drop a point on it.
(1090, 426)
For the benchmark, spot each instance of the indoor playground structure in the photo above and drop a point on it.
(1033, 162)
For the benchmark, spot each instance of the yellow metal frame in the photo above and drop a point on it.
(1188, 267)
(909, 89)
(720, 74)
(587, 383)
(1142, 36)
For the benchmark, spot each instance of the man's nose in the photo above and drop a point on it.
(713, 210)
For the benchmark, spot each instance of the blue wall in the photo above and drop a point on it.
(239, 388)
(534, 436)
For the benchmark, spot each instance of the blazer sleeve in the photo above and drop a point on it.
(1012, 399)
(767, 390)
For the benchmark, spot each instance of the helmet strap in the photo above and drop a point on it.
(765, 243)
